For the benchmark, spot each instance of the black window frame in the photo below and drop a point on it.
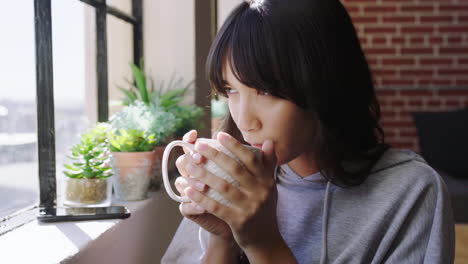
(45, 95)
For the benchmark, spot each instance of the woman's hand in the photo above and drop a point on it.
(191, 210)
(252, 215)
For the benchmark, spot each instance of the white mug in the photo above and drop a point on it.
(208, 165)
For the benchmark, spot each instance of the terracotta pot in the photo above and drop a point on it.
(132, 174)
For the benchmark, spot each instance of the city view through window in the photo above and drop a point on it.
(18, 121)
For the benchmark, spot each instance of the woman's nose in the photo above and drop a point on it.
(248, 119)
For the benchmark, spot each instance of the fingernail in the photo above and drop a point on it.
(223, 137)
(190, 193)
(201, 146)
(199, 208)
(199, 185)
(196, 157)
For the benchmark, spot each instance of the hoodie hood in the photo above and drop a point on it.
(291, 180)
(393, 157)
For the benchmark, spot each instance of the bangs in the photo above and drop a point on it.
(246, 42)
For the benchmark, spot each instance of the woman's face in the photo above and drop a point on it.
(260, 116)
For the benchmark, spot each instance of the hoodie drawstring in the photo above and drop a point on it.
(323, 257)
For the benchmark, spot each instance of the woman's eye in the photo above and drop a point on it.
(230, 91)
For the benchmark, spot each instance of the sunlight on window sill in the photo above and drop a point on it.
(54, 242)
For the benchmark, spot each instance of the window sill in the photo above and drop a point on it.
(37, 242)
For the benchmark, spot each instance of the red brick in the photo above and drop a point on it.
(404, 145)
(452, 102)
(377, 41)
(453, 8)
(465, 100)
(417, 8)
(372, 61)
(453, 29)
(462, 61)
(391, 133)
(398, 40)
(397, 102)
(445, 72)
(454, 50)
(417, 93)
(393, 82)
(454, 40)
(383, 102)
(408, 134)
(396, 61)
(463, 18)
(352, 9)
(389, 115)
(435, 40)
(384, 72)
(434, 82)
(416, 40)
(379, 9)
(457, 92)
(409, 73)
(380, 51)
(436, 61)
(364, 20)
(399, 19)
(436, 19)
(405, 115)
(397, 124)
(398, 1)
(412, 51)
(434, 102)
(461, 82)
(359, 1)
(369, 30)
(417, 29)
(415, 102)
(390, 112)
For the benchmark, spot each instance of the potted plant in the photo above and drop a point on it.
(167, 99)
(133, 125)
(132, 160)
(187, 116)
(87, 182)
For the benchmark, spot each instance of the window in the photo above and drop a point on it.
(70, 74)
(18, 137)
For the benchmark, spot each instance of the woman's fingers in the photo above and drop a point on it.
(182, 162)
(189, 137)
(190, 208)
(181, 183)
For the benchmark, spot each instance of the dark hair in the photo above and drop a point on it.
(306, 51)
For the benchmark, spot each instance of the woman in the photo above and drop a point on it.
(328, 189)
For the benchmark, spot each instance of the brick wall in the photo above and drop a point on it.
(418, 53)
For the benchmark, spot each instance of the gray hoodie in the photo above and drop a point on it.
(400, 214)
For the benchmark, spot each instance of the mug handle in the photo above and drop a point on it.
(165, 175)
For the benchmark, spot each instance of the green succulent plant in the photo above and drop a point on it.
(131, 140)
(89, 155)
